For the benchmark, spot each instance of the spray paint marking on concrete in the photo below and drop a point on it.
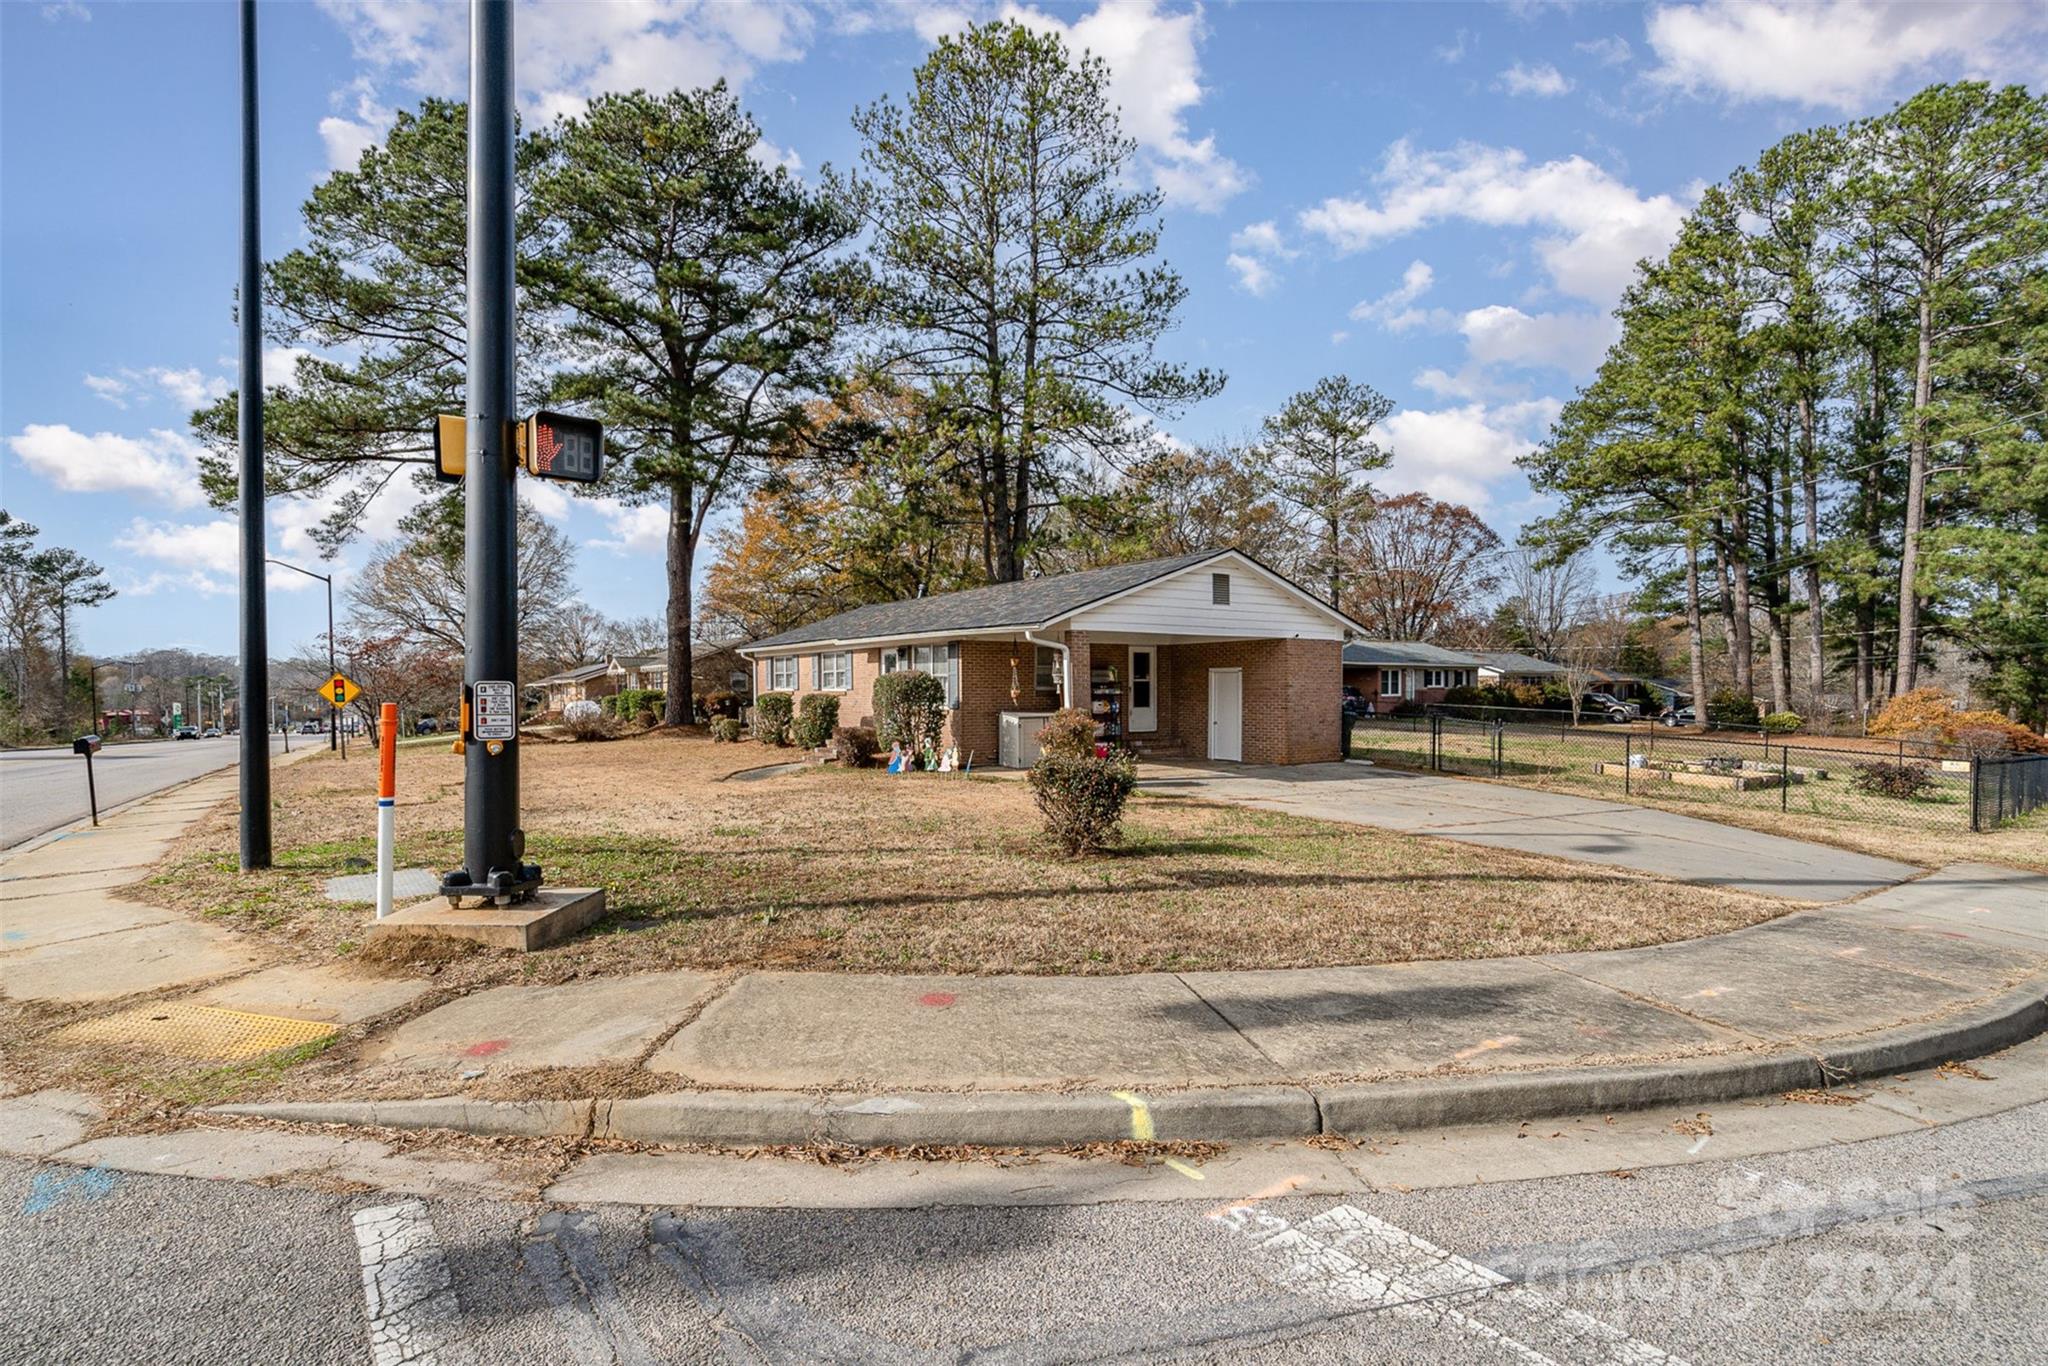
(49, 1189)
(1142, 1132)
(1349, 1255)
(415, 1318)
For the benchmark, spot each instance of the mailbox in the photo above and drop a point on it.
(86, 744)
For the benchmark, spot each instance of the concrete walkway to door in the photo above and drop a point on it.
(1537, 822)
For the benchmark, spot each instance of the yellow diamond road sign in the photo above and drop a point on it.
(340, 691)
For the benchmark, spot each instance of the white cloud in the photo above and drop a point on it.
(1456, 454)
(1264, 239)
(589, 48)
(1339, 337)
(189, 387)
(1454, 51)
(636, 528)
(1392, 310)
(66, 9)
(1155, 78)
(1841, 54)
(112, 388)
(1612, 50)
(774, 157)
(281, 364)
(205, 558)
(162, 465)
(544, 497)
(1541, 80)
(1572, 342)
(1597, 226)
(1254, 277)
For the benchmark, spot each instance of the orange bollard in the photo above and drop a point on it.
(387, 801)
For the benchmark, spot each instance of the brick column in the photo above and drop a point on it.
(1078, 668)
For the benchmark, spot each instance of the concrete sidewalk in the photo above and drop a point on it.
(1949, 967)
(1502, 816)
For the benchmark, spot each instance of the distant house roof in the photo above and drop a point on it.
(1390, 652)
(576, 675)
(1022, 605)
(1506, 662)
(624, 662)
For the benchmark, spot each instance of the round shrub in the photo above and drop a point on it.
(772, 717)
(816, 720)
(1068, 734)
(910, 710)
(1901, 781)
(854, 746)
(1082, 799)
(586, 720)
(1730, 709)
(726, 729)
(1783, 722)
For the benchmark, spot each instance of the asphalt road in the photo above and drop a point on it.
(1926, 1246)
(42, 789)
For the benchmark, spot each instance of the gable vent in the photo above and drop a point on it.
(1219, 589)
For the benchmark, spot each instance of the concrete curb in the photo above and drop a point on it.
(1224, 1114)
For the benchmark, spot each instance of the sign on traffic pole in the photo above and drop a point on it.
(339, 691)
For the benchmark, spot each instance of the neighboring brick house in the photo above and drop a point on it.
(1390, 672)
(1508, 669)
(584, 684)
(1208, 656)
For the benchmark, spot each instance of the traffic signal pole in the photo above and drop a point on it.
(493, 845)
(253, 739)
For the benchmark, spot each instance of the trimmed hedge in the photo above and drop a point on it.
(1082, 799)
(1783, 722)
(772, 716)
(816, 719)
(1069, 734)
(910, 710)
(726, 729)
(1731, 708)
(854, 746)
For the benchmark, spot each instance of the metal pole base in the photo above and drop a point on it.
(499, 887)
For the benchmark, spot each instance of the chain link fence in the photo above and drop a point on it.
(1873, 783)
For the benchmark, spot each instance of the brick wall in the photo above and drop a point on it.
(1292, 697)
(1291, 693)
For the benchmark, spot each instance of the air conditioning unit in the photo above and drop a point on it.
(1017, 737)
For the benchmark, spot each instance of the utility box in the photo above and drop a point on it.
(1017, 740)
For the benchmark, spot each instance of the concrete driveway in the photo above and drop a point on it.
(1537, 822)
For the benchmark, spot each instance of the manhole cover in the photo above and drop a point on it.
(185, 1030)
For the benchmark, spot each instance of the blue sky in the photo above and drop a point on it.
(1442, 200)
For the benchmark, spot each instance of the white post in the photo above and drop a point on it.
(387, 802)
(387, 833)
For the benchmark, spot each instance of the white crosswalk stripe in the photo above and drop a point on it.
(415, 1318)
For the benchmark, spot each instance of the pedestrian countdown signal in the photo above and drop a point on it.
(555, 446)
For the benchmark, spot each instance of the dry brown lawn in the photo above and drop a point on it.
(865, 872)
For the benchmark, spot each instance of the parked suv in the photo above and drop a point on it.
(1617, 711)
(1356, 703)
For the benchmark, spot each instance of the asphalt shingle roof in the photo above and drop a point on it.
(1404, 652)
(1029, 602)
(1510, 662)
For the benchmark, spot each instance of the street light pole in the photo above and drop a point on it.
(333, 713)
(254, 744)
(493, 847)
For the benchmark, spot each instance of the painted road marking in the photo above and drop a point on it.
(1347, 1254)
(1142, 1131)
(415, 1318)
(562, 1256)
(49, 1188)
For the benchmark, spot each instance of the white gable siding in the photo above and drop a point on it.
(1181, 606)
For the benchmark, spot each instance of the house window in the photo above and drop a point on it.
(1219, 589)
(1046, 677)
(1446, 678)
(1390, 682)
(834, 672)
(782, 673)
(940, 662)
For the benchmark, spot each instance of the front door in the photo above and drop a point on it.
(1144, 690)
(1226, 714)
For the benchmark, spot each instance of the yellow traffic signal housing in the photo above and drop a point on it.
(451, 438)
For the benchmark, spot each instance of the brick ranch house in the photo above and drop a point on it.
(1390, 672)
(1210, 655)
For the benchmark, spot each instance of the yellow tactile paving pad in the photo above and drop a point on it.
(195, 1031)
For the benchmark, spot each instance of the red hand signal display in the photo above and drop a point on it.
(560, 447)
